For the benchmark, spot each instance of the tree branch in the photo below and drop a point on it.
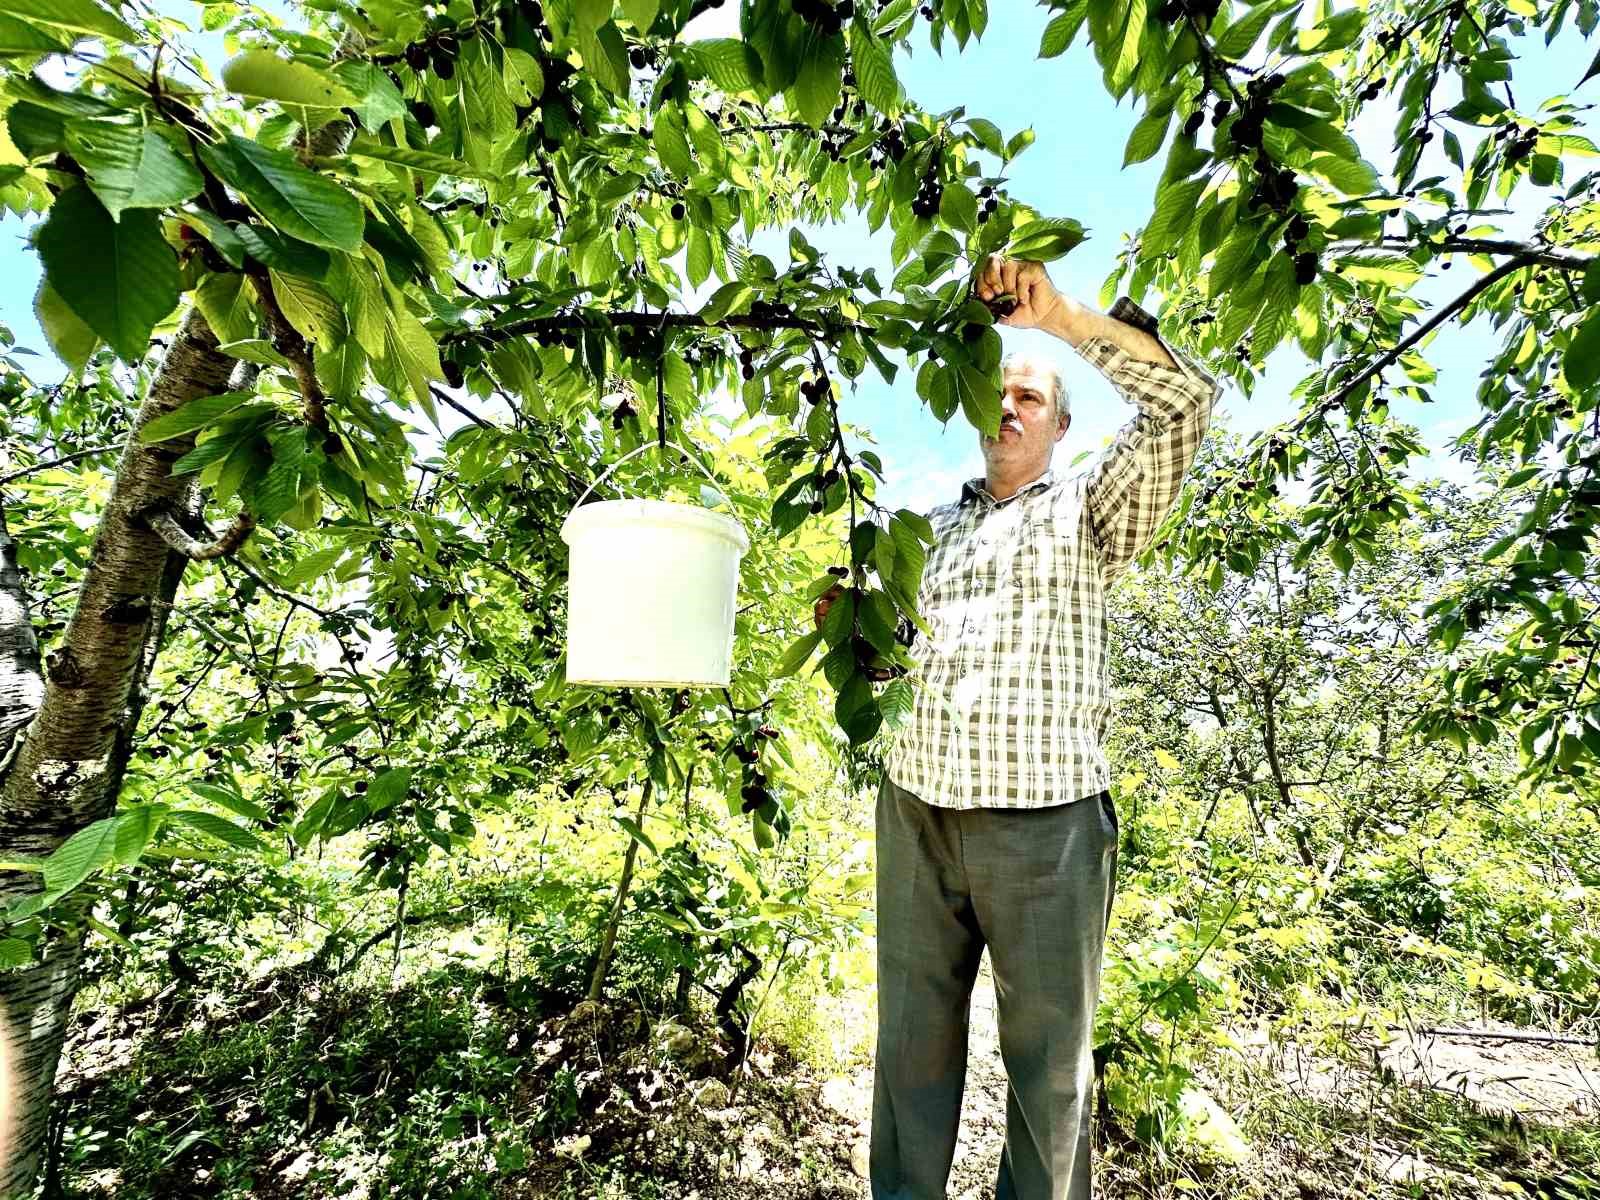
(164, 523)
(1427, 327)
(57, 462)
(1554, 256)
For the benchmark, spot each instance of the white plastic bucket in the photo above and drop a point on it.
(652, 587)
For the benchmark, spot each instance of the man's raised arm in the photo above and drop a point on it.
(1134, 483)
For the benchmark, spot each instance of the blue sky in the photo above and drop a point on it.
(1073, 169)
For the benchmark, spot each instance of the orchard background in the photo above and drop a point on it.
(319, 319)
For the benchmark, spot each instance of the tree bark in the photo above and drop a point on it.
(21, 679)
(60, 779)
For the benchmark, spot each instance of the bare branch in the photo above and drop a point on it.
(57, 462)
(1553, 256)
(164, 523)
(1444, 314)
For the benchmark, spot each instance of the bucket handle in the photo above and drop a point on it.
(640, 450)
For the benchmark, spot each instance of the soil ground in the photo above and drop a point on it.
(654, 1115)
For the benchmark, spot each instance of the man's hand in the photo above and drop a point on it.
(1037, 299)
(825, 602)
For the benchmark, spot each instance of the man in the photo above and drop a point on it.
(994, 823)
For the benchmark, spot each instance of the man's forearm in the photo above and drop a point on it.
(1075, 323)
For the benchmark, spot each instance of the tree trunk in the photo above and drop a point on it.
(79, 742)
(60, 779)
(597, 981)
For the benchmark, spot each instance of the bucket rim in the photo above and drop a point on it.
(658, 512)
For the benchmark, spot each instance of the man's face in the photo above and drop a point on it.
(1029, 429)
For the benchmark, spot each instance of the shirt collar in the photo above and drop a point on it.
(978, 486)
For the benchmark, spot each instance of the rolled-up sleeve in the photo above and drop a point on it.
(1133, 485)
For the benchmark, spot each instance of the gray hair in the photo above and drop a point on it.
(1060, 402)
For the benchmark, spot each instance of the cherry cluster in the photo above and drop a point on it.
(1305, 261)
(754, 792)
(929, 192)
(438, 51)
(747, 362)
(830, 18)
(768, 310)
(1519, 141)
(1198, 117)
(1172, 10)
(988, 203)
(1276, 187)
(890, 147)
(816, 389)
(1246, 131)
(556, 337)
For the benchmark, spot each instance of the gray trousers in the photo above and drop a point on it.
(1035, 886)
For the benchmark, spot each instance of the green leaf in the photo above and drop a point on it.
(80, 856)
(222, 238)
(220, 828)
(377, 100)
(730, 63)
(272, 249)
(1062, 29)
(73, 16)
(409, 350)
(697, 262)
(1581, 363)
(388, 787)
(231, 800)
(917, 523)
(641, 12)
(1046, 239)
(135, 829)
(798, 654)
(262, 75)
(69, 337)
(256, 350)
(590, 14)
(308, 308)
(120, 278)
(226, 303)
(727, 299)
(1594, 69)
(130, 166)
(631, 828)
(1354, 177)
(959, 208)
(1235, 41)
(1147, 137)
(875, 75)
(417, 160)
(1174, 210)
(605, 56)
(671, 142)
(196, 414)
(856, 710)
(895, 702)
(816, 87)
(21, 40)
(300, 203)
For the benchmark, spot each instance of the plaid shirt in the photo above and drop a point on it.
(1017, 696)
